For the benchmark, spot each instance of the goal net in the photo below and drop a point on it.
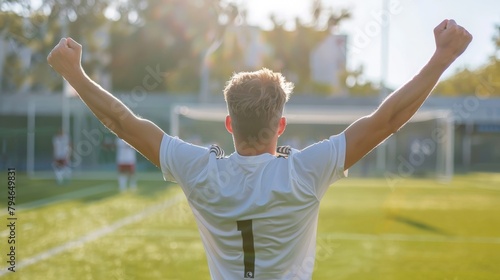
(423, 147)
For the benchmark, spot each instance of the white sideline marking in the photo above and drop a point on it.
(58, 198)
(95, 234)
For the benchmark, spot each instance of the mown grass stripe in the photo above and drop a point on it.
(95, 234)
(62, 197)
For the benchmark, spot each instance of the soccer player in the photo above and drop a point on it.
(125, 161)
(257, 210)
(61, 148)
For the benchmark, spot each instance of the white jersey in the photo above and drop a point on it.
(257, 215)
(124, 153)
(60, 144)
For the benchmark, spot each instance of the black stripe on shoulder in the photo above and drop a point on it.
(218, 151)
(283, 151)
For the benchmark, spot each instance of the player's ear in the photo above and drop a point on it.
(229, 124)
(281, 126)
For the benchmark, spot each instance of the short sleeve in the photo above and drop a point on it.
(321, 164)
(182, 162)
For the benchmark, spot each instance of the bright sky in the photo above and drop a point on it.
(411, 41)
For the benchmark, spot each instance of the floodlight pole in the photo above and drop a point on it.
(174, 121)
(65, 109)
(204, 94)
(66, 86)
(450, 147)
(384, 55)
(205, 71)
(30, 141)
(3, 53)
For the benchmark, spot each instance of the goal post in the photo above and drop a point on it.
(423, 147)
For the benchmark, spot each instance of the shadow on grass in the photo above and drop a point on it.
(418, 224)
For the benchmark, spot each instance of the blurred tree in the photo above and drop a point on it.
(237, 40)
(291, 49)
(284, 49)
(496, 39)
(163, 37)
(33, 31)
(356, 84)
(483, 82)
(21, 52)
(172, 36)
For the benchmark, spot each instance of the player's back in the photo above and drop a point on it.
(257, 215)
(255, 218)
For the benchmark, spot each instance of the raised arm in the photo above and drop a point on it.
(142, 134)
(368, 132)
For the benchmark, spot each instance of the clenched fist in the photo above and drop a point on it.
(451, 39)
(66, 57)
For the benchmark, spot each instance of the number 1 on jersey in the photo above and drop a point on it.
(248, 248)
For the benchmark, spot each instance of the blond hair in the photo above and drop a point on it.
(255, 101)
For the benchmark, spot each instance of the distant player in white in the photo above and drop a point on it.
(125, 161)
(257, 210)
(61, 147)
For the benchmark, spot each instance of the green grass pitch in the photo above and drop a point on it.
(418, 229)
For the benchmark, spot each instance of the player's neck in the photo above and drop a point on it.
(253, 152)
(244, 149)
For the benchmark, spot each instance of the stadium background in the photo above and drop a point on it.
(389, 221)
(476, 130)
